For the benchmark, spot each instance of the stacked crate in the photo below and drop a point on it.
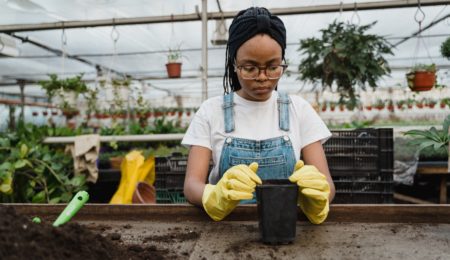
(170, 175)
(360, 162)
(361, 165)
(169, 182)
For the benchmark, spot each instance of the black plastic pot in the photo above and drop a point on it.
(277, 211)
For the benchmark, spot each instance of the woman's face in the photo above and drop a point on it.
(261, 51)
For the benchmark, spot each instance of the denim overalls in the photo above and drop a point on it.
(275, 156)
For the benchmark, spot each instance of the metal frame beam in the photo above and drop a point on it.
(218, 15)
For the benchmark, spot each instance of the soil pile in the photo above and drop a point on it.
(22, 239)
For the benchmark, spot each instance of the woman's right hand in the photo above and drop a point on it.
(238, 183)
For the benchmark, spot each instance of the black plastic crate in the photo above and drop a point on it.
(361, 165)
(171, 171)
(167, 196)
(360, 162)
(363, 198)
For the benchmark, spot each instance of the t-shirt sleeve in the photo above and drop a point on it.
(199, 131)
(313, 128)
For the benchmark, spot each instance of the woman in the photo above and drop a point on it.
(254, 132)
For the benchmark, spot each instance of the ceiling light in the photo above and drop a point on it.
(8, 46)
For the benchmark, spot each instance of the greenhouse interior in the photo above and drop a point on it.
(114, 117)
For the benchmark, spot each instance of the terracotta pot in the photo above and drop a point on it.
(116, 162)
(144, 194)
(173, 70)
(421, 80)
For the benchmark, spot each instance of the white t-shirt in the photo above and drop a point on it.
(255, 121)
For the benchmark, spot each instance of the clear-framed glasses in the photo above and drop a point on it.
(253, 71)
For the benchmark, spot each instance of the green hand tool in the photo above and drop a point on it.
(72, 208)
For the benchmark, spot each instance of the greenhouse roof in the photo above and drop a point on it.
(140, 50)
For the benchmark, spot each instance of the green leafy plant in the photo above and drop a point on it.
(432, 138)
(164, 126)
(55, 86)
(445, 48)
(174, 55)
(424, 67)
(347, 55)
(33, 172)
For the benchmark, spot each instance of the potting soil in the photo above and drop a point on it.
(20, 238)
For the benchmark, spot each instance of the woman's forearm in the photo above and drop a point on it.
(193, 191)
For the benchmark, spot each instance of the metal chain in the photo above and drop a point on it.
(115, 35)
(419, 16)
(63, 49)
(355, 14)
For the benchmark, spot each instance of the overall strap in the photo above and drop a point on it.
(283, 110)
(228, 112)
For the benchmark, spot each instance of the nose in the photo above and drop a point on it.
(262, 76)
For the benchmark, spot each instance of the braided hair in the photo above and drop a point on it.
(246, 24)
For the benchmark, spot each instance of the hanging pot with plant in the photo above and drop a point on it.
(347, 55)
(422, 77)
(173, 65)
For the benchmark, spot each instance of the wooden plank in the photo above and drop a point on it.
(410, 199)
(432, 170)
(349, 213)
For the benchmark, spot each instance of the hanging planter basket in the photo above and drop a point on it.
(421, 80)
(173, 70)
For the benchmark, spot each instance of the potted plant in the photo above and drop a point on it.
(173, 64)
(401, 104)
(431, 103)
(390, 106)
(433, 139)
(332, 105)
(345, 55)
(444, 102)
(67, 89)
(324, 106)
(410, 103)
(420, 104)
(379, 104)
(422, 77)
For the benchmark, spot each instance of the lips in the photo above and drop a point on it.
(262, 89)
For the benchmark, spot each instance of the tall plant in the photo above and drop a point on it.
(347, 55)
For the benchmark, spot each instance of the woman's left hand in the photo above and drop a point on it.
(314, 191)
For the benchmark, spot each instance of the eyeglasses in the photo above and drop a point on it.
(252, 71)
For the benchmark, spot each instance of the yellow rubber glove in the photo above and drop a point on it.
(238, 183)
(313, 192)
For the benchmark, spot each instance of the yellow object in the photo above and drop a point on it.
(238, 183)
(133, 169)
(313, 192)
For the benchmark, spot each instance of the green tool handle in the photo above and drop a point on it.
(72, 208)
